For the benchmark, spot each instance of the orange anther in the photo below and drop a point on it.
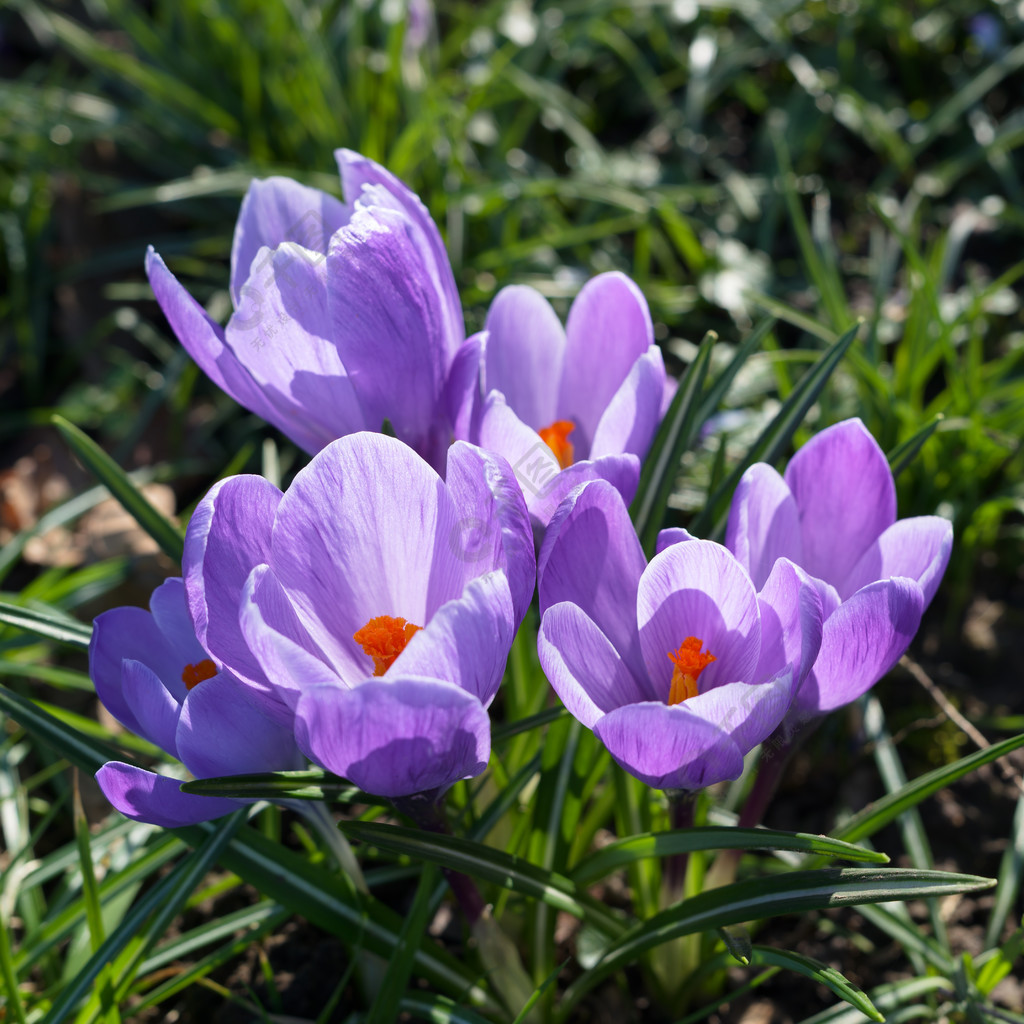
(384, 638)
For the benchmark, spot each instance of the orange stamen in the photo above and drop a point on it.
(384, 638)
(193, 675)
(556, 437)
(689, 663)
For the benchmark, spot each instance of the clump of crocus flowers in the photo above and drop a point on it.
(362, 617)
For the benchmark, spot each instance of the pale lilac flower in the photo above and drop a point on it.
(680, 666)
(563, 405)
(372, 604)
(346, 314)
(834, 514)
(153, 676)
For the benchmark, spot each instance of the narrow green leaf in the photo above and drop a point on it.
(509, 729)
(385, 1004)
(1001, 963)
(906, 451)
(109, 473)
(1010, 869)
(492, 865)
(149, 917)
(737, 942)
(878, 814)
(530, 1003)
(721, 384)
(711, 837)
(710, 521)
(51, 625)
(887, 998)
(439, 1010)
(674, 437)
(901, 929)
(303, 784)
(756, 898)
(819, 972)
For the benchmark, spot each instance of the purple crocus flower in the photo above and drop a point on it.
(153, 676)
(563, 405)
(679, 666)
(372, 604)
(346, 314)
(834, 514)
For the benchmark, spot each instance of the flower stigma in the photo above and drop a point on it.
(556, 437)
(689, 663)
(193, 675)
(384, 638)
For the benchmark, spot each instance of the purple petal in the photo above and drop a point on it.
(389, 324)
(467, 641)
(591, 557)
(621, 471)
(462, 394)
(608, 330)
(285, 651)
(284, 332)
(228, 534)
(672, 535)
(367, 184)
(222, 733)
(278, 210)
(631, 419)
(764, 523)
(843, 487)
(363, 531)
(396, 737)
(156, 799)
(791, 622)
(205, 342)
(860, 642)
(583, 666)
(169, 606)
(130, 633)
(669, 747)
(747, 713)
(154, 709)
(524, 354)
(494, 529)
(917, 548)
(698, 589)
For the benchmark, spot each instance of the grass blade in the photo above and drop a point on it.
(675, 435)
(906, 451)
(46, 624)
(109, 473)
(711, 837)
(756, 898)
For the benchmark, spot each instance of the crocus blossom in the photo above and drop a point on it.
(372, 604)
(345, 314)
(563, 405)
(834, 514)
(153, 676)
(679, 666)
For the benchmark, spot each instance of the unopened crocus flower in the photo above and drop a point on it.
(680, 666)
(834, 514)
(346, 314)
(153, 676)
(563, 405)
(372, 603)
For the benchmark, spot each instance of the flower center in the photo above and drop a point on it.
(689, 663)
(384, 638)
(556, 437)
(193, 675)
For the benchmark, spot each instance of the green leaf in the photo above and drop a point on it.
(906, 451)
(480, 861)
(878, 814)
(710, 521)
(756, 898)
(303, 784)
(49, 624)
(109, 473)
(718, 390)
(674, 437)
(887, 998)
(819, 972)
(711, 837)
(1010, 869)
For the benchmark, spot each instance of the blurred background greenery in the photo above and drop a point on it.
(821, 162)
